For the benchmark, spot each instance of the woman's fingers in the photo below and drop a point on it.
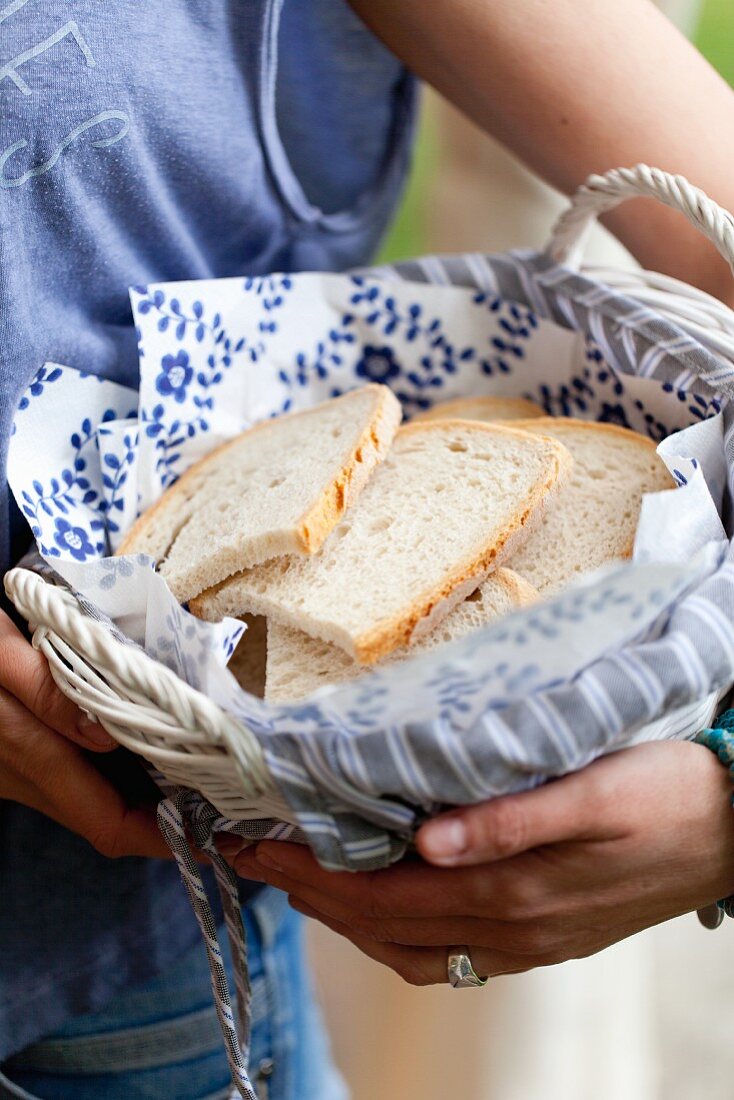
(529, 932)
(231, 846)
(25, 675)
(524, 915)
(508, 826)
(422, 965)
(89, 805)
(45, 771)
(525, 938)
(404, 890)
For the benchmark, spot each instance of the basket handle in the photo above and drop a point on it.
(602, 193)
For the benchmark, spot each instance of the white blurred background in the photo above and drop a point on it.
(649, 1019)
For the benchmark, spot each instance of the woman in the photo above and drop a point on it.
(138, 144)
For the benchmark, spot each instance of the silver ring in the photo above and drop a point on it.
(462, 974)
(711, 916)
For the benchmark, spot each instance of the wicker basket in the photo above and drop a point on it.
(194, 746)
(191, 741)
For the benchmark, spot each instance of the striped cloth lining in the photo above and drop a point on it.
(359, 798)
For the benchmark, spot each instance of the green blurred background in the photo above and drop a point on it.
(714, 37)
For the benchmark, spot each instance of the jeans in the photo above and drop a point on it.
(163, 1040)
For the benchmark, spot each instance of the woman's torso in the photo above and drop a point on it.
(148, 142)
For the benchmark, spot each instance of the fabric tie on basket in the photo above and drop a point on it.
(173, 813)
(189, 824)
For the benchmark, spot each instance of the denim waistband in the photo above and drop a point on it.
(11, 1091)
(181, 1030)
(136, 1048)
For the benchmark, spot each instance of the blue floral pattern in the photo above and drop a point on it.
(117, 442)
(74, 540)
(63, 494)
(377, 364)
(431, 355)
(175, 375)
(44, 377)
(516, 326)
(184, 393)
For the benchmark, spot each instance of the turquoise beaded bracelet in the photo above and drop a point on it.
(720, 739)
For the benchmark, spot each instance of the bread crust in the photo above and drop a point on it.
(460, 408)
(374, 443)
(537, 424)
(371, 646)
(317, 521)
(568, 422)
(520, 594)
(434, 603)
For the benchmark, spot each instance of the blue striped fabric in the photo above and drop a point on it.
(360, 796)
(359, 785)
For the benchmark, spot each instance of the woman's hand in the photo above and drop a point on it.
(42, 765)
(534, 879)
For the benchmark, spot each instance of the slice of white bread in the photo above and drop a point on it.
(277, 489)
(248, 662)
(446, 506)
(489, 409)
(593, 520)
(297, 665)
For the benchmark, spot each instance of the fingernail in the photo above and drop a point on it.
(92, 731)
(230, 848)
(245, 869)
(445, 839)
(229, 845)
(268, 861)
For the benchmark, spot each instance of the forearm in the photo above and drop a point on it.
(574, 88)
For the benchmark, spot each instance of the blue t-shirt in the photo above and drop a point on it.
(144, 142)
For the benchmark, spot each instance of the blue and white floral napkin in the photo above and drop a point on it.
(216, 356)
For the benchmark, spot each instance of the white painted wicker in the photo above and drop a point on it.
(697, 313)
(191, 741)
(144, 705)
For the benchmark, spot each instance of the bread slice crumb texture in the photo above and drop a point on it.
(298, 665)
(439, 514)
(593, 519)
(277, 489)
(487, 409)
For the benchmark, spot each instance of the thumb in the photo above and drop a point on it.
(506, 826)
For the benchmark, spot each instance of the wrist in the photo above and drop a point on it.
(719, 742)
